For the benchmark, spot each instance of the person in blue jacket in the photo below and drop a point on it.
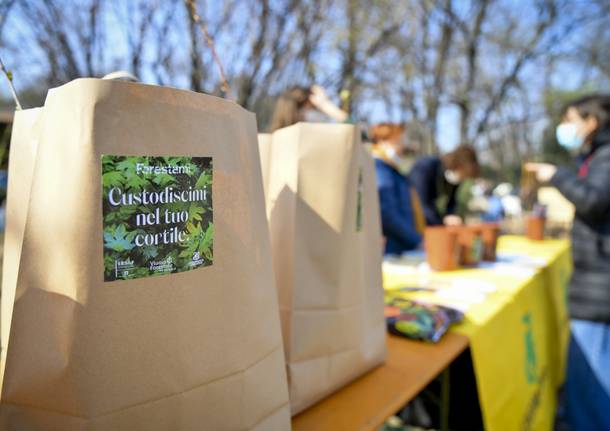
(398, 219)
(437, 179)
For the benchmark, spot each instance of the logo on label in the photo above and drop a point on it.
(163, 266)
(197, 260)
(122, 267)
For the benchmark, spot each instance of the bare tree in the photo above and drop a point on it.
(5, 9)
(416, 61)
(197, 70)
(72, 43)
(139, 19)
(472, 38)
(367, 36)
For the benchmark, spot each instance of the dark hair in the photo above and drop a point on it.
(462, 156)
(289, 107)
(593, 105)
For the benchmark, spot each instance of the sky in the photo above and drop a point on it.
(568, 75)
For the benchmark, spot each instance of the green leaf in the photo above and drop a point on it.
(193, 170)
(118, 239)
(194, 230)
(127, 164)
(205, 179)
(195, 235)
(164, 179)
(123, 214)
(109, 263)
(136, 182)
(112, 179)
(186, 253)
(174, 161)
(150, 252)
(195, 213)
(205, 247)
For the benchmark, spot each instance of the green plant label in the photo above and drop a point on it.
(158, 215)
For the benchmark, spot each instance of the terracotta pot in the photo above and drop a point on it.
(534, 228)
(471, 244)
(442, 248)
(489, 234)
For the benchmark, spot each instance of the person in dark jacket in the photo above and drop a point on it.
(585, 129)
(402, 223)
(437, 179)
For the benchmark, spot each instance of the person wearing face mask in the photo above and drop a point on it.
(310, 105)
(437, 179)
(402, 219)
(585, 131)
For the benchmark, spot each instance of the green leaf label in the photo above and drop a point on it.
(158, 215)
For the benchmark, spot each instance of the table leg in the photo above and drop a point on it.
(445, 402)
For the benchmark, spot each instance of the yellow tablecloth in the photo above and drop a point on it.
(517, 324)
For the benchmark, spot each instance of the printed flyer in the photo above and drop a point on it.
(158, 215)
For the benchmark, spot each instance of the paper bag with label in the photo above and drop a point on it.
(145, 291)
(326, 242)
(264, 151)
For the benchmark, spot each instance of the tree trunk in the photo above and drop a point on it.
(196, 73)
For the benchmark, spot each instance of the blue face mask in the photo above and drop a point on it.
(568, 137)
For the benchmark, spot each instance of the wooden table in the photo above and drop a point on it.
(368, 401)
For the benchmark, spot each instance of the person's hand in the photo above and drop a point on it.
(318, 97)
(452, 220)
(544, 171)
(320, 100)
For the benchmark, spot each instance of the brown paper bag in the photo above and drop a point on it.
(24, 144)
(145, 293)
(264, 151)
(326, 242)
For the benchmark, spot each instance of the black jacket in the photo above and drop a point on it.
(589, 294)
(428, 178)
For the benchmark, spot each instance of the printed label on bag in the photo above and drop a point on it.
(158, 215)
